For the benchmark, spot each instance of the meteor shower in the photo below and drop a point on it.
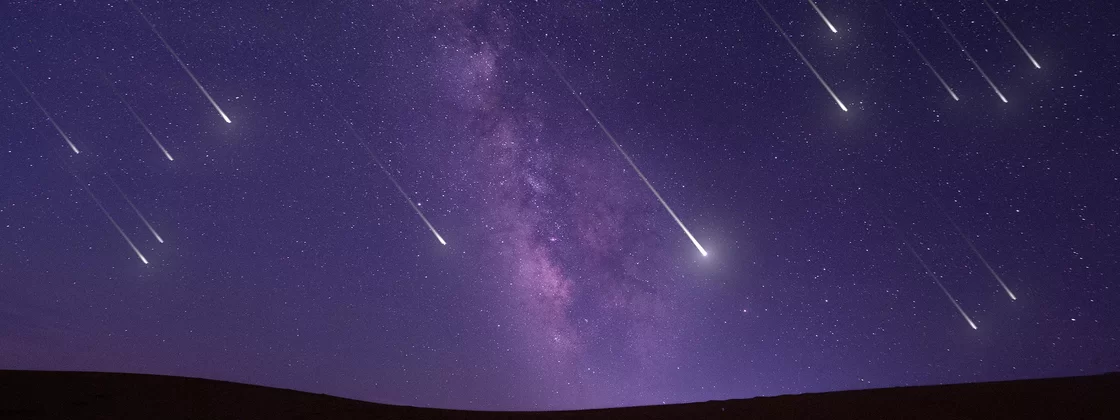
(564, 204)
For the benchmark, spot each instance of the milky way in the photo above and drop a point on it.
(566, 220)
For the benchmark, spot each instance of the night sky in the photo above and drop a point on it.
(290, 258)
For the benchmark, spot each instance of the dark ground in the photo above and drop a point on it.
(75, 395)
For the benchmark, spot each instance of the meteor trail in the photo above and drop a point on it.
(929, 272)
(936, 280)
(130, 204)
(618, 146)
(966, 54)
(988, 266)
(136, 117)
(826, 22)
(973, 247)
(923, 56)
(181, 63)
(389, 175)
(111, 220)
(799, 54)
(1001, 22)
(49, 118)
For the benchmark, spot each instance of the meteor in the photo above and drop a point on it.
(799, 54)
(181, 63)
(973, 248)
(111, 220)
(130, 204)
(137, 117)
(922, 56)
(936, 280)
(1008, 29)
(618, 146)
(929, 271)
(985, 261)
(966, 54)
(826, 22)
(49, 118)
(389, 175)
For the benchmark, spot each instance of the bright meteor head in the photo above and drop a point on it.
(819, 12)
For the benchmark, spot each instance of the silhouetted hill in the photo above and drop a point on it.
(78, 395)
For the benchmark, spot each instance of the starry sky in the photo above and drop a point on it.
(290, 259)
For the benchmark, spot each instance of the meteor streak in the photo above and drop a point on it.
(936, 280)
(929, 271)
(111, 220)
(988, 266)
(966, 54)
(137, 117)
(181, 63)
(389, 175)
(618, 146)
(826, 22)
(973, 247)
(1001, 22)
(923, 56)
(130, 204)
(799, 54)
(49, 118)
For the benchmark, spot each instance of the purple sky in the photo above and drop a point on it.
(290, 259)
